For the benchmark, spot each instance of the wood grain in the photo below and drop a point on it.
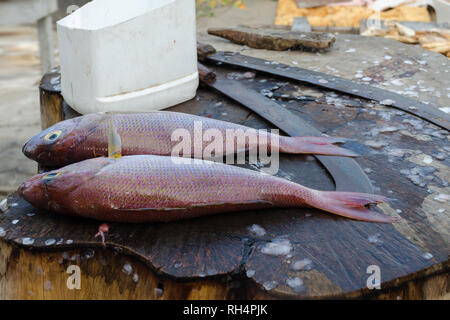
(275, 39)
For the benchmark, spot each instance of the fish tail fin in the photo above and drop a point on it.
(315, 145)
(350, 204)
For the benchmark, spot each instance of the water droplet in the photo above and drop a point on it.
(127, 269)
(2, 232)
(257, 230)
(323, 81)
(50, 242)
(15, 221)
(178, 265)
(135, 278)
(350, 50)
(69, 241)
(31, 214)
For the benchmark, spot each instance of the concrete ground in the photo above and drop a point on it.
(19, 103)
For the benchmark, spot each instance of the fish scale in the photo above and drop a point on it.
(150, 133)
(145, 188)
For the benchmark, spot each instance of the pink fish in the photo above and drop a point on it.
(86, 137)
(146, 188)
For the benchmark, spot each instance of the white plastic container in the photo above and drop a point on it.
(134, 55)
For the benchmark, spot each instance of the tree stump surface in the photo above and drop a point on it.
(277, 253)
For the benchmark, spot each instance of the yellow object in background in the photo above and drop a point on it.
(344, 16)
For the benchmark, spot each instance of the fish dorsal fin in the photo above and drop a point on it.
(114, 141)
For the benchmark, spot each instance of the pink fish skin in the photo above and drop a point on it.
(150, 133)
(146, 188)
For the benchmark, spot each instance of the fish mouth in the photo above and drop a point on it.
(27, 150)
(32, 191)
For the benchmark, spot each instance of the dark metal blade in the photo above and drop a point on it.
(400, 102)
(346, 173)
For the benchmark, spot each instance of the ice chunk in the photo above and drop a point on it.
(387, 102)
(442, 197)
(250, 273)
(4, 205)
(375, 239)
(50, 242)
(305, 264)
(257, 230)
(27, 241)
(427, 256)
(376, 144)
(269, 285)
(277, 247)
(127, 269)
(427, 159)
(296, 284)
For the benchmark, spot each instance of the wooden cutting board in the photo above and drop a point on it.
(232, 255)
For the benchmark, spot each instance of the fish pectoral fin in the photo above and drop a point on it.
(114, 141)
(200, 205)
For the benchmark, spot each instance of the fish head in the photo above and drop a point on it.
(52, 189)
(54, 146)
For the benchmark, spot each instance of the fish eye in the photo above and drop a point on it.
(52, 175)
(52, 136)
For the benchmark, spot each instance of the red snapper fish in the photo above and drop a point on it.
(150, 133)
(145, 188)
